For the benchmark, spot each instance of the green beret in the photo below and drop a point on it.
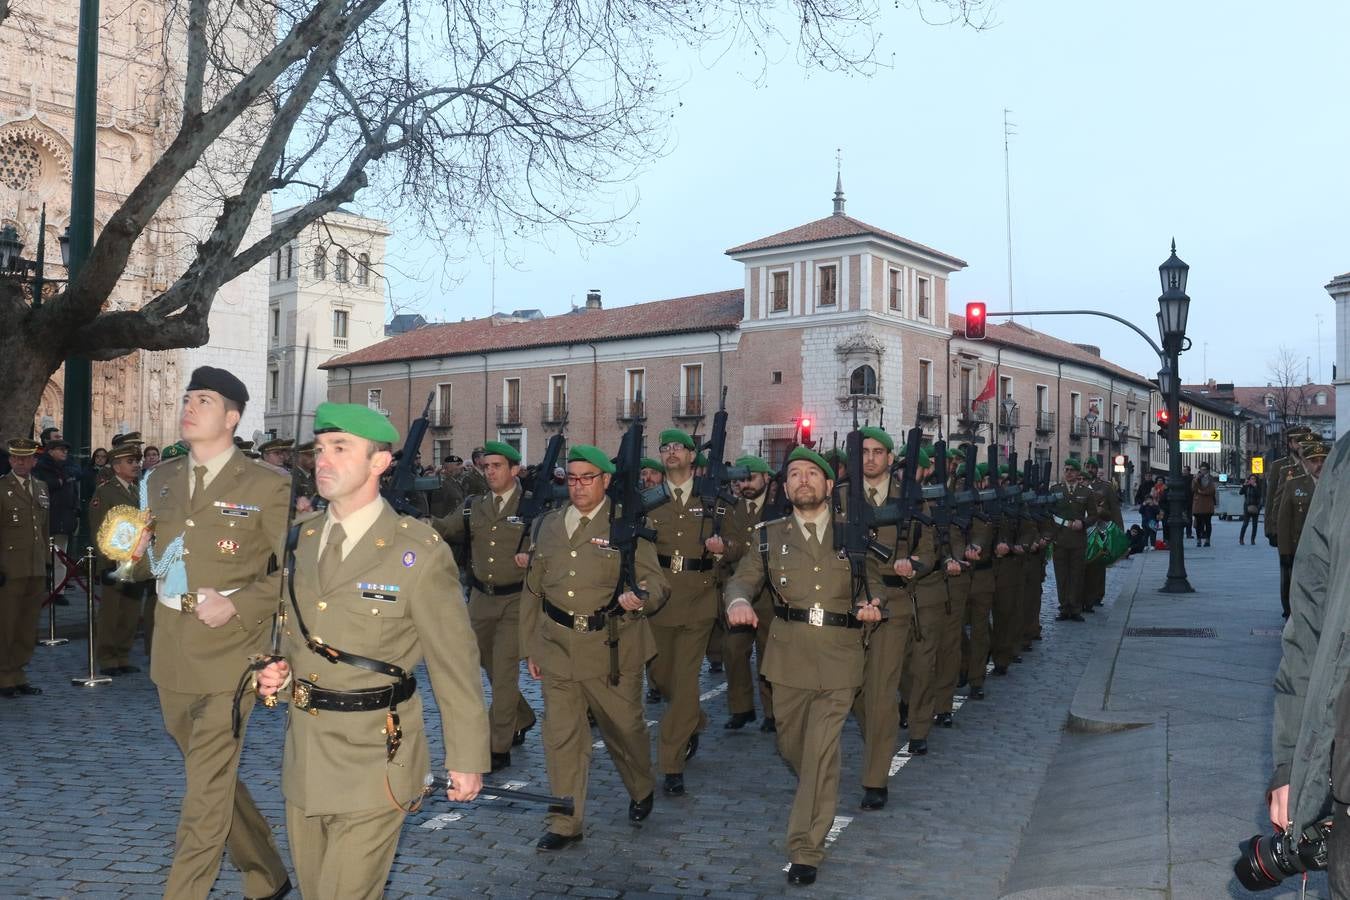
(173, 451)
(753, 464)
(879, 436)
(501, 448)
(1003, 468)
(811, 456)
(982, 469)
(701, 461)
(925, 457)
(675, 436)
(956, 453)
(653, 464)
(833, 456)
(354, 418)
(589, 454)
(1092, 461)
(1073, 463)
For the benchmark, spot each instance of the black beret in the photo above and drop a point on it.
(209, 378)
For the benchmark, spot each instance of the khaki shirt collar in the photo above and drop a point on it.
(572, 518)
(882, 486)
(506, 497)
(687, 487)
(821, 520)
(354, 527)
(214, 465)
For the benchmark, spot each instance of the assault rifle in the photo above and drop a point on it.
(543, 494)
(404, 481)
(855, 531)
(711, 486)
(968, 498)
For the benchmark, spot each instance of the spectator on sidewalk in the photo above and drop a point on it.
(1251, 507)
(1148, 518)
(62, 476)
(1187, 499)
(1204, 490)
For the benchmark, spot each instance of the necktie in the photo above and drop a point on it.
(811, 530)
(679, 496)
(872, 496)
(754, 510)
(497, 503)
(199, 481)
(581, 524)
(332, 554)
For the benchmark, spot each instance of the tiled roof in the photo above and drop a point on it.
(1254, 398)
(832, 227)
(1011, 334)
(682, 315)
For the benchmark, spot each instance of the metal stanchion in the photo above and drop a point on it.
(51, 640)
(94, 679)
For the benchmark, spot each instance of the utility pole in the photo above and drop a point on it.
(1007, 204)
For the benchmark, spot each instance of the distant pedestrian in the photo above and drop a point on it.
(63, 492)
(1187, 499)
(1251, 507)
(1204, 489)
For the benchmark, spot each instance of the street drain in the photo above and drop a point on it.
(1171, 632)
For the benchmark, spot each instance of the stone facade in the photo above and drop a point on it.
(1339, 289)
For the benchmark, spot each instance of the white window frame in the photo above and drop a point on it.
(506, 396)
(375, 400)
(773, 273)
(441, 409)
(895, 279)
(818, 286)
(553, 377)
(919, 282)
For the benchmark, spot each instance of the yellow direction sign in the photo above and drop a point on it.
(1200, 434)
(1258, 465)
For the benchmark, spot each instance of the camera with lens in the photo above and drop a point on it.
(1267, 860)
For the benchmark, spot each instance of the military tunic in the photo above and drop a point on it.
(121, 604)
(739, 533)
(1076, 505)
(980, 604)
(491, 540)
(392, 598)
(577, 574)
(815, 669)
(938, 603)
(24, 555)
(1009, 586)
(1295, 501)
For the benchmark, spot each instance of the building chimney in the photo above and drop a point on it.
(593, 299)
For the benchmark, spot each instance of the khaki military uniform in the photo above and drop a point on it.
(1076, 505)
(951, 628)
(1296, 499)
(739, 533)
(448, 498)
(1107, 502)
(1278, 472)
(1033, 580)
(471, 482)
(682, 627)
(391, 598)
(495, 581)
(232, 531)
(980, 603)
(938, 600)
(887, 646)
(1028, 605)
(815, 669)
(575, 576)
(305, 485)
(121, 604)
(1009, 585)
(1287, 470)
(23, 561)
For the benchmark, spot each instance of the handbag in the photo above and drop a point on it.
(1252, 509)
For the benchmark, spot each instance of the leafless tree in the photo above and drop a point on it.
(465, 116)
(1288, 391)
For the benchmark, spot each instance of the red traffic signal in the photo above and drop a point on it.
(1164, 422)
(975, 321)
(806, 432)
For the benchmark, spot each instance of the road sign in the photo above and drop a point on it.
(1258, 465)
(1201, 434)
(1201, 446)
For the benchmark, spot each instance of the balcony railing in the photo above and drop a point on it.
(930, 406)
(1010, 418)
(630, 410)
(442, 418)
(553, 413)
(974, 412)
(508, 414)
(1077, 427)
(687, 406)
(1045, 421)
(339, 343)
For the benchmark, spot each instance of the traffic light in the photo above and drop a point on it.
(975, 321)
(1164, 422)
(806, 432)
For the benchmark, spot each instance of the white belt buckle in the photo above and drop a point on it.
(815, 616)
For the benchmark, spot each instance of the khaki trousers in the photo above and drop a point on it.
(496, 625)
(346, 855)
(717, 641)
(1069, 579)
(1007, 612)
(20, 607)
(876, 706)
(674, 671)
(979, 609)
(119, 612)
(950, 625)
(1033, 577)
(736, 655)
(217, 812)
(920, 673)
(809, 725)
(567, 740)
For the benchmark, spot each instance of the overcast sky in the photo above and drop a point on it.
(1224, 124)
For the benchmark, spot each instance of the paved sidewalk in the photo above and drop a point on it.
(1158, 811)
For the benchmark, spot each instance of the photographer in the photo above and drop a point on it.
(1310, 780)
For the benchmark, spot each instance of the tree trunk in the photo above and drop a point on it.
(28, 359)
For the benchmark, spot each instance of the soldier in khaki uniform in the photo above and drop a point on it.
(119, 611)
(23, 565)
(219, 523)
(1071, 515)
(740, 537)
(1297, 496)
(1033, 576)
(888, 642)
(685, 548)
(565, 628)
(277, 452)
(375, 584)
(951, 626)
(496, 558)
(449, 497)
(815, 655)
(1107, 502)
(980, 603)
(1283, 472)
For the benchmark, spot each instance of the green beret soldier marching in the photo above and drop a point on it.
(24, 554)
(1073, 513)
(372, 600)
(492, 545)
(980, 604)
(741, 537)
(565, 630)
(815, 655)
(121, 606)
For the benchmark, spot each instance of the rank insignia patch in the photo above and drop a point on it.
(228, 546)
(408, 559)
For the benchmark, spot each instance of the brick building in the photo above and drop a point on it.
(832, 315)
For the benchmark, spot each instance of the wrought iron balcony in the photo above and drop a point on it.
(687, 406)
(1045, 422)
(553, 413)
(508, 414)
(930, 406)
(632, 410)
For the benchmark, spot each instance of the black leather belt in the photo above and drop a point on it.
(496, 589)
(816, 616)
(576, 621)
(689, 563)
(305, 695)
(894, 581)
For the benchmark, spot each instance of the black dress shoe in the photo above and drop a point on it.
(27, 690)
(638, 810)
(715, 668)
(904, 714)
(801, 874)
(1063, 617)
(691, 748)
(768, 724)
(8, 692)
(279, 892)
(918, 747)
(501, 761)
(673, 785)
(653, 695)
(976, 693)
(129, 670)
(553, 841)
(519, 737)
(943, 719)
(1000, 670)
(740, 720)
(874, 798)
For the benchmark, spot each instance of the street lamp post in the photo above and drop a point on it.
(1009, 407)
(1173, 307)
